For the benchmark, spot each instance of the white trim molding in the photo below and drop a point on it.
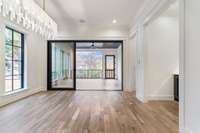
(161, 98)
(63, 37)
(182, 127)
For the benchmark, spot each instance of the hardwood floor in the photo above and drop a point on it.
(88, 112)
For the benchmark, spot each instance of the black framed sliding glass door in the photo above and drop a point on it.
(85, 65)
(61, 65)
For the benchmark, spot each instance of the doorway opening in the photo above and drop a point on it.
(85, 65)
(99, 65)
(161, 62)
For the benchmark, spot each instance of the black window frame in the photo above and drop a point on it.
(21, 60)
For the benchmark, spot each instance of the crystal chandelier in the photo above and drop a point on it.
(28, 14)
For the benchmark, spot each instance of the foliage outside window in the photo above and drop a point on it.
(14, 60)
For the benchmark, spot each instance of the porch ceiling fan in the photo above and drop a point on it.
(93, 46)
(96, 45)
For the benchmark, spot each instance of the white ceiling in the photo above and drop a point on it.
(98, 13)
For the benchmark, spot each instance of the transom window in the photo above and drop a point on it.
(14, 60)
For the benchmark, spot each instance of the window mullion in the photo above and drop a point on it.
(12, 60)
(22, 61)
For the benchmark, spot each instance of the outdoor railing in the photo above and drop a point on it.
(82, 74)
(65, 74)
(89, 73)
(110, 74)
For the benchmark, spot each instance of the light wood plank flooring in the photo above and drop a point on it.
(88, 112)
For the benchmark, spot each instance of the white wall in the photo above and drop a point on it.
(85, 32)
(35, 63)
(192, 65)
(161, 54)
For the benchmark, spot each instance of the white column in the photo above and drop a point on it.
(140, 88)
(103, 64)
(2, 61)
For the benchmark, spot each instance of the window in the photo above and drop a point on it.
(62, 63)
(110, 63)
(14, 60)
(89, 64)
(89, 60)
(54, 63)
(110, 66)
(58, 63)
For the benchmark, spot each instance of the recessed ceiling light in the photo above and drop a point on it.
(114, 21)
(82, 21)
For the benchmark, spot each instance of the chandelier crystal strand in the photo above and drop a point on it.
(19, 13)
(1, 4)
(28, 14)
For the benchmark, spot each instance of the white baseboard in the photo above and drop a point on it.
(161, 97)
(187, 130)
(129, 90)
(140, 98)
(4, 100)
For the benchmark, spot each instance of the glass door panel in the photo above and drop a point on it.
(61, 65)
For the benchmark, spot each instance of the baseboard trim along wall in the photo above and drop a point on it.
(187, 130)
(7, 99)
(161, 98)
(141, 98)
